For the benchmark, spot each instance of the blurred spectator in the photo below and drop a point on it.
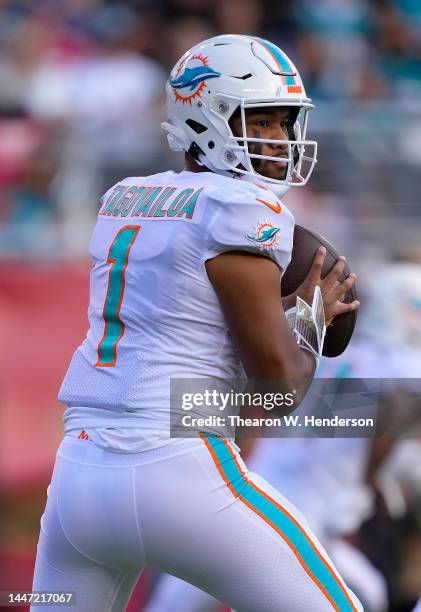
(28, 219)
(112, 93)
(398, 25)
(335, 48)
(182, 8)
(239, 16)
(184, 34)
(107, 102)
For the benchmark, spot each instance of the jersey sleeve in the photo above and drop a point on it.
(260, 225)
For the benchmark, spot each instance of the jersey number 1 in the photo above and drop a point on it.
(118, 257)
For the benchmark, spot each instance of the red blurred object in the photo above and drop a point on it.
(20, 139)
(42, 320)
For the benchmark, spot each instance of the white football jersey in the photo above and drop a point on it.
(153, 312)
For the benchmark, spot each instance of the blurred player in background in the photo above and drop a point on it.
(185, 283)
(331, 480)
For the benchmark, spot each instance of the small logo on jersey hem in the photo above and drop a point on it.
(265, 235)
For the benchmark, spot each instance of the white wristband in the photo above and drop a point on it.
(307, 324)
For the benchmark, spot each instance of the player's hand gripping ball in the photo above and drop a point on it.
(312, 265)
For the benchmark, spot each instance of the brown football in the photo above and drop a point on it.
(306, 243)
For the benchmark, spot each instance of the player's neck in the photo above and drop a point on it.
(191, 165)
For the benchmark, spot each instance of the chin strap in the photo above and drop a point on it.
(308, 325)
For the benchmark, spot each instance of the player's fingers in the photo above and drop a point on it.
(342, 308)
(341, 288)
(314, 274)
(332, 277)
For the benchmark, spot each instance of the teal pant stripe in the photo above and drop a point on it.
(282, 521)
(284, 63)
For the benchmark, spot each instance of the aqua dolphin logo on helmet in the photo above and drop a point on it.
(192, 75)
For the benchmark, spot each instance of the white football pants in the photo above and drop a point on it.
(174, 595)
(190, 509)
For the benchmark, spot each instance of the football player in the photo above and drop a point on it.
(185, 283)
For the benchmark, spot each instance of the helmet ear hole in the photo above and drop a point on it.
(197, 127)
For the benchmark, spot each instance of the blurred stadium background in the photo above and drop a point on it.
(81, 101)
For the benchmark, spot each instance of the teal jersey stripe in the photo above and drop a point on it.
(283, 62)
(282, 521)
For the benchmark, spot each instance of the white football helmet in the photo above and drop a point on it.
(232, 73)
